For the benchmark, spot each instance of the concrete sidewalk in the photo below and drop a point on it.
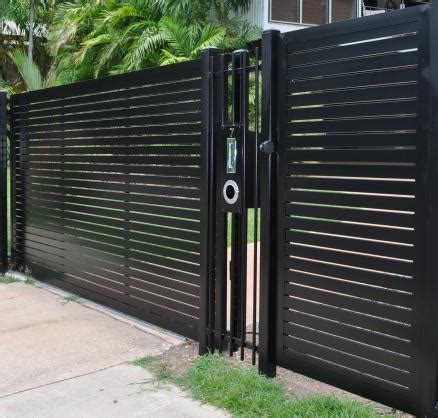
(59, 358)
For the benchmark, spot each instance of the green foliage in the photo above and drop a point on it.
(6, 86)
(102, 37)
(143, 361)
(72, 298)
(6, 279)
(18, 12)
(28, 70)
(245, 393)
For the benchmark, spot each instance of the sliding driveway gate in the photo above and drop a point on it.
(107, 191)
(123, 190)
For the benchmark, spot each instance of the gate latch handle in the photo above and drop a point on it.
(267, 147)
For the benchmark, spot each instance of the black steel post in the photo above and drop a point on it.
(3, 185)
(268, 238)
(13, 183)
(236, 221)
(243, 102)
(208, 204)
(428, 135)
(221, 216)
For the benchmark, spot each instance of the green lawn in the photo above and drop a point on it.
(243, 392)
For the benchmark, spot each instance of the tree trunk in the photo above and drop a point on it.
(222, 11)
(31, 29)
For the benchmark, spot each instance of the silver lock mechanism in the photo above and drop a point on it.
(231, 192)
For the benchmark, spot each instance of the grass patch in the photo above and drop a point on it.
(29, 280)
(160, 369)
(143, 362)
(163, 372)
(6, 279)
(72, 298)
(245, 393)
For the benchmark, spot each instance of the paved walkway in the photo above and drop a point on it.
(59, 358)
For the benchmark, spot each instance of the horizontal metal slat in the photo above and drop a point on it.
(394, 60)
(343, 51)
(352, 215)
(389, 312)
(405, 21)
(114, 150)
(136, 79)
(300, 341)
(64, 178)
(395, 203)
(107, 215)
(61, 202)
(357, 230)
(68, 233)
(351, 244)
(387, 353)
(174, 129)
(92, 195)
(342, 316)
(146, 140)
(347, 273)
(74, 186)
(346, 169)
(104, 110)
(351, 95)
(361, 335)
(393, 81)
(351, 287)
(112, 123)
(377, 124)
(357, 184)
(84, 221)
(352, 110)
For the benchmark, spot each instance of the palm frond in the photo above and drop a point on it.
(28, 70)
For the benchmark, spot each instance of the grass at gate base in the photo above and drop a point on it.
(243, 392)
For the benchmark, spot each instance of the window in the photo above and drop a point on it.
(285, 10)
(343, 10)
(314, 12)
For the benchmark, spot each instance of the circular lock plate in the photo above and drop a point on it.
(231, 192)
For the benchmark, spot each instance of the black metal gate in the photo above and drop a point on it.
(136, 191)
(233, 136)
(107, 191)
(356, 136)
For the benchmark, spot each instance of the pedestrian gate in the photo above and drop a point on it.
(137, 190)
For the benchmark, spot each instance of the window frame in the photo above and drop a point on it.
(328, 18)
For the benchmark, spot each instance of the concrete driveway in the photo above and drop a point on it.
(61, 358)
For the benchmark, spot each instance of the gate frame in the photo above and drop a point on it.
(3, 184)
(428, 121)
(271, 43)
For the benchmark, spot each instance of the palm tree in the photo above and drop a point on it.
(29, 71)
(101, 37)
(31, 28)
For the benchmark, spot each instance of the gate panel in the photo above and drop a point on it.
(108, 191)
(351, 205)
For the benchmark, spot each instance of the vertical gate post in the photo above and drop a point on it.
(3, 185)
(428, 137)
(208, 207)
(268, 236)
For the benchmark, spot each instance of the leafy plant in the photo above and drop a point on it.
(29, 71)
(101, 37)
